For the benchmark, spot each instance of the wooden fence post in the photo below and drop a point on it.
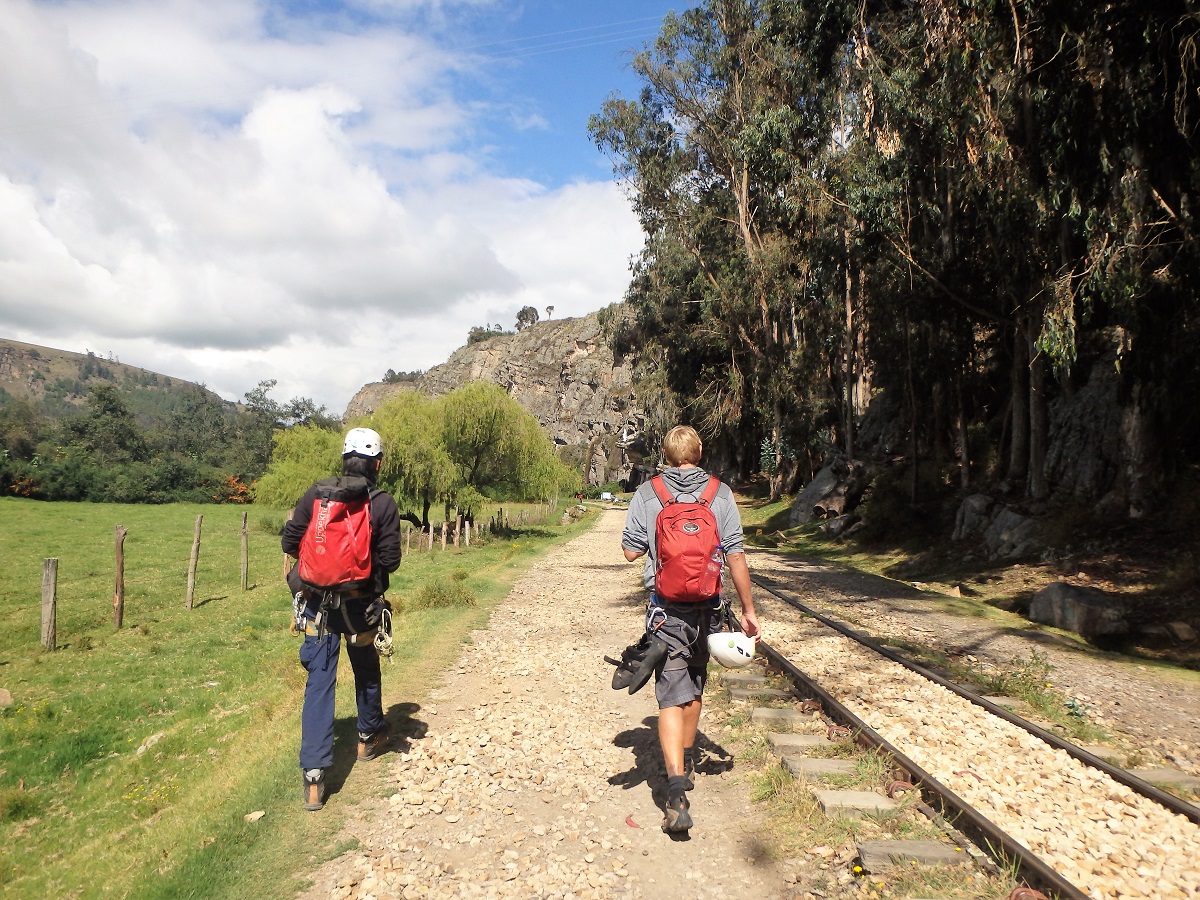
(457, 529)
(407, 539)
(245, 555)
(444, 524)
(191, 584)
(119, 587)
(50, 604)
(467, 532)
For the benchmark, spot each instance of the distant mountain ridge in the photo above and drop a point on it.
(59, 381)
(563, 372)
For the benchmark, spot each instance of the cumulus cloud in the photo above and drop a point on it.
(224, 194)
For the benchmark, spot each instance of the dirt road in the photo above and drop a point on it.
(536, 779)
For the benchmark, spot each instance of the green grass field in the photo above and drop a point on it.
(129, 759)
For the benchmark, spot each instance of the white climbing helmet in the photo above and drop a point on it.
(363, 442)
(732, 649)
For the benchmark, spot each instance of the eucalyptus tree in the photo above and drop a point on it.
(720, 153)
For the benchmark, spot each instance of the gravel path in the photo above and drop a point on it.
(533, 771)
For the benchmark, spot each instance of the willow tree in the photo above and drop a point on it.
(496, 448)
(300, 456)
(416, 467)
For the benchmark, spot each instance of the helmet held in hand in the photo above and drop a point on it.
(732, 649)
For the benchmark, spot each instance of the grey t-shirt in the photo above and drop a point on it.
(645, 506)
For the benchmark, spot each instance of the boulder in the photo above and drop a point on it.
(804, 506)
(973, 516)
(1003, 532)
(835, 491)
(1182, 632)
(1011, 535)
(1088, 612)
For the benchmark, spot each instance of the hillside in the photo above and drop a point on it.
(564, 373)
(58, 382)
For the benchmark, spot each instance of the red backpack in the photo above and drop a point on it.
(335, 552)
(688, 546)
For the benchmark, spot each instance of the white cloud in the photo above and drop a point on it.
(213, 196)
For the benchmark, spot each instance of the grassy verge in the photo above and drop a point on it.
(130, 759)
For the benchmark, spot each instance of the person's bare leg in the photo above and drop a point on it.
(691, 722)
(676, 728)
(675, 725)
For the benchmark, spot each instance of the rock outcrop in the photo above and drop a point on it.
(564, 374)
(1088, 612)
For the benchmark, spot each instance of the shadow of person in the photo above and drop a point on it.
(405, 729)
(648, 766)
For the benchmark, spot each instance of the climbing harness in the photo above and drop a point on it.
(315, 626)
(383, 637)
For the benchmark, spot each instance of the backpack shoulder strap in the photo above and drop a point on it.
(660, 488)
(710, 491)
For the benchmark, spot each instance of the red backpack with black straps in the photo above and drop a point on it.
(335, 551)
(688, 555)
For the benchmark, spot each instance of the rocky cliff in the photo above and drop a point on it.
(564, 374)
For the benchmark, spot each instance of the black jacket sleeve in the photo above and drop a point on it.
(385, 538)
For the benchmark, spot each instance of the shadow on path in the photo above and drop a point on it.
(405, 729)
(648, 767)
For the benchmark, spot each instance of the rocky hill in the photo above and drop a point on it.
(58, 381)
(563, 373)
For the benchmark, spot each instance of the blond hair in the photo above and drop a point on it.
(682, 445)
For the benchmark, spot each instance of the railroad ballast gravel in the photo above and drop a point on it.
(1097, 833)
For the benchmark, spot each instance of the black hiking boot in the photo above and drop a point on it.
(314, 789)
(677, 816)
(689, 768)
(373, 745)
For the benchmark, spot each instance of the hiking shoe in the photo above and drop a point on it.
(689, 771)
(677, 816)
(373, 745)
(314, 789)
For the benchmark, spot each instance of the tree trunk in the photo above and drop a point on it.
(1039, 420)
(848, 362)
(777, 447)
(964, 449)
(1018, 448)
(913, 447)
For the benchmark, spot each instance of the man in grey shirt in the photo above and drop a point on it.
(679, 684)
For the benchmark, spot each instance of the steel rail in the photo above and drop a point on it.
(1170, 801)
(962, 815)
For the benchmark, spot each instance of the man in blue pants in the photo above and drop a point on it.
(329, 617)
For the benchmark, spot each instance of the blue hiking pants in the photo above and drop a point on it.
(319, 656)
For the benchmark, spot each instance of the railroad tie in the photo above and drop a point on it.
(878, 857)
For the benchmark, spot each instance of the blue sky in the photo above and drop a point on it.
(312, 192)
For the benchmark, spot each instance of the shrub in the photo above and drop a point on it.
(441, 593)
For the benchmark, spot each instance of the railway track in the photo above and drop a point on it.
(1074, 825)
